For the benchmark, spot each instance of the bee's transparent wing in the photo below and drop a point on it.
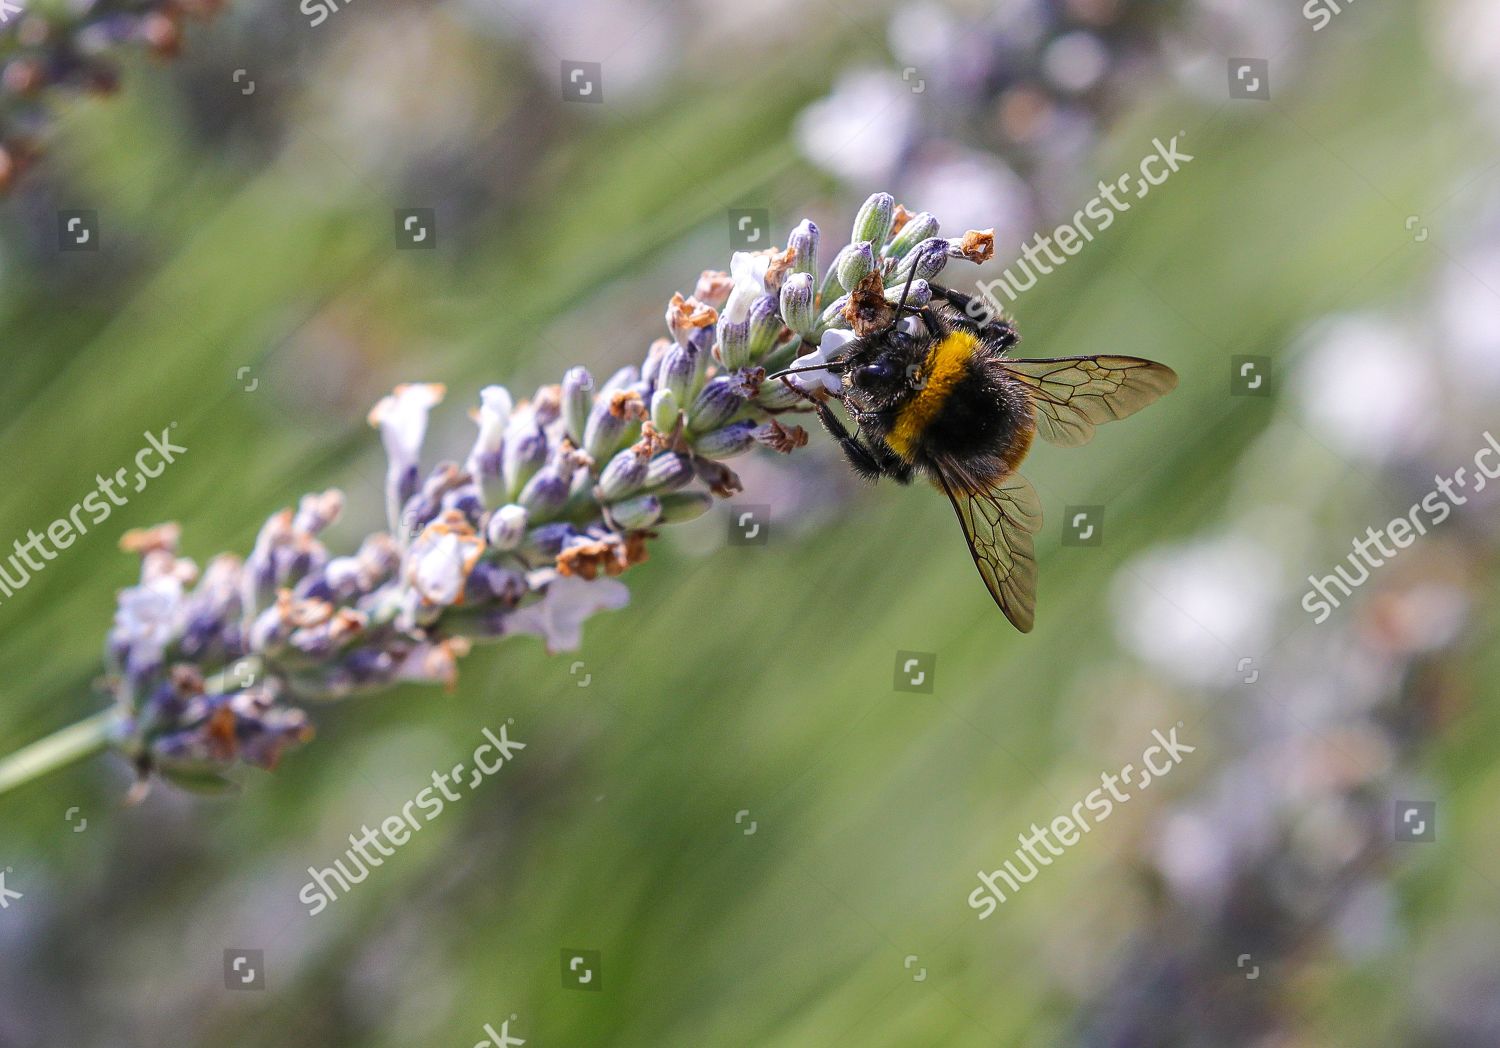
(1072, 395)
(999, 524)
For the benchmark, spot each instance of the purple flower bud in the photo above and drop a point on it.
(626, 378)
(525, 451)
(733, 439)
(716, 405)
(930, 256)
(623, 476)
(507, 527)
(804, 244)
(668, 471)
(734, 343)
(797, 303)
(678, 368)
(765, 329)
(544, 494)
(604, 432)
(543, 544)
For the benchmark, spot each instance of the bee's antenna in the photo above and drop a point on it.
(832, 365)
(905, 291)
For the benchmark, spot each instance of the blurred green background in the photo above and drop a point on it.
(255, 232)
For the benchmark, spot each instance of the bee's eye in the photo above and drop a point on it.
(872, 374)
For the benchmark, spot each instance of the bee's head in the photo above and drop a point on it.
(881, 369)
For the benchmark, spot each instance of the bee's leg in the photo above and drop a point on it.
(985, 318)
(859, 456)
(891, 464)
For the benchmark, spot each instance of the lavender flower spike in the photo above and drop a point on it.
(524, 533)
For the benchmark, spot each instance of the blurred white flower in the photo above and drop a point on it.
(861, 129)
(1468, 43)
(971, 190)
(1366, 389)
(559, 616)
(1075, 61)
(1195, 609)
(1469, 315)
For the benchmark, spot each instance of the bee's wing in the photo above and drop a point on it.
(1074, 394)
(998, 524)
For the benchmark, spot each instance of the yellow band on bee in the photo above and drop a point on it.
(946, 364)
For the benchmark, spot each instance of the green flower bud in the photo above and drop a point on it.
(917, 229)
(873, 221)
(679, 507)
(634, 514)
(857, 262)
(664, 410)
(577, 400)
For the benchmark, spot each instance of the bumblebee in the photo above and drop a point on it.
(933, 393)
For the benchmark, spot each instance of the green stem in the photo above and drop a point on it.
(59, 749)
